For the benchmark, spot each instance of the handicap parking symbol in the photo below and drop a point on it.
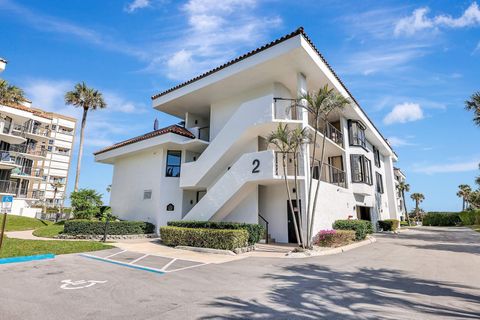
(79, 284)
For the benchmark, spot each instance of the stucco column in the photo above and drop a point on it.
(305, 161)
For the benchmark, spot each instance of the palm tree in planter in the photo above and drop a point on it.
(319, 105)
(281, 138)
(474, 105)
(417, 197)
(10, 94)
(403, 187)
(87, 99)
(464, 193)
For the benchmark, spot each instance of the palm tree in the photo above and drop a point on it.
(87, 99)
(403, 187)
(477, 180)
(281, 139)
(417, 197)
(55, 185)
(10, 94)
(319, 105)
(464, 192)
(474, 104)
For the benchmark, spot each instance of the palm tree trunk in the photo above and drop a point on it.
(290, 198)
(80, 148)
(320, 170)
(297, 198)
(405, 207)
(309, 191)
(463, 205)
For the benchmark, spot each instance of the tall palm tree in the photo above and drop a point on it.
(10, 94)
(55, 185)
(474, 105)
(281, 139)
(319, 105)
(403, 187)
(464, 192)
(477, 180)
(417, 197)
(87, 99)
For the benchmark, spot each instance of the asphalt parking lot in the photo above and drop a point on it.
(429, 273)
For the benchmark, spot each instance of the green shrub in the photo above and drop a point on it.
(469, 218)
(334, 238)
(81, 227)
(86, 203)
(255, 231)
(361, 227)
(444, 219)
(404, 224)
(204, 238)
(389, 224)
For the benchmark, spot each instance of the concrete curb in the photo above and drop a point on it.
(207, 250)
(328, 252)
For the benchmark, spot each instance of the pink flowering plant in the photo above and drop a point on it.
(334, 238)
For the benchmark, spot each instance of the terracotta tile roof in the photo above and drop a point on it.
(170, 129)
(27, 109)
(263, 48)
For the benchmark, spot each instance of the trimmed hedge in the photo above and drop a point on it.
(81, 227)
(469, 218)
(204, 238)
(334, 238)
(389, 224)
(255, 231)
(361, 227)
(443, 219)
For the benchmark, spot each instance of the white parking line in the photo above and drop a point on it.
(185, 268)
(168, 264)
(114, 254)
(138, 259)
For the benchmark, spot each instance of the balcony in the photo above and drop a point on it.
(37, 133)
(38, 194)
(29, 152)
(329, 129)
(11, 133)
(6, 161)
(330, 174)
(27, 173)
(8, 187)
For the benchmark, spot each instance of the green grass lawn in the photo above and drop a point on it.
(50, 231)
(18, 247)
(18, 223)
(476, 227)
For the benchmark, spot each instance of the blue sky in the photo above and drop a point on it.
(410, 64)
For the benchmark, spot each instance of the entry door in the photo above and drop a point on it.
(363, 213)
(292, 237)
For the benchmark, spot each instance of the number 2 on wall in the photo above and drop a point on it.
(255, 164)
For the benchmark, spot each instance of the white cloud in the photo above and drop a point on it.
(117, 103)
(405, 112)
(137, 4)
(398, 142)
(215, 32)
(419, 21)
(448, 167)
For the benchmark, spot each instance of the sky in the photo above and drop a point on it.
(410, 64)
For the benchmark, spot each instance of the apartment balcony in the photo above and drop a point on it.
(28, 152)
(287, 109)
(330, 174)
(8, 187)
(6, 161)
(202, 133)
(38, 194)
(27, 173)
(37, 133)
(329, 129)
(12, 133)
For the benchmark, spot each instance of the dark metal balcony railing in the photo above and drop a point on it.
(331, 132)
(204, 133)
(330, 174)
(28, 171)
(18, 130)
(39, 131)
(5, 157)
(22, 148)
(7, 186)
(286, 109)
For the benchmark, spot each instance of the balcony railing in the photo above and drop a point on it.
(28, 171)
(204, 133)
(330, 174)
(18, 130)
(5, 157)
(286, 109)
(331, 132)
(38, 194)
(7, 186)
(21, 148)
(39, 131)
(290, 166)
(69, 133)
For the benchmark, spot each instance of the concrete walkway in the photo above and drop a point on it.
(26, 235)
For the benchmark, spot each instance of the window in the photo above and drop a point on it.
(376, 155)
(379, 181)
(174, 160)
(147, 194)
(50, 141)
(361, 169)
(356, 131)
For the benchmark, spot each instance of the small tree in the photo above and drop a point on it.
(417, 197)
(464, 192)
(403, 187)
(85, 203)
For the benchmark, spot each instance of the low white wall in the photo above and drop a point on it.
(273, 207)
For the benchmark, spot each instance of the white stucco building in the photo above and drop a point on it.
(218, 165)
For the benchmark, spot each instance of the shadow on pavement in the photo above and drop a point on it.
(312, 292)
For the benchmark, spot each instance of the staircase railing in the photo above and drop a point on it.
(266, 227)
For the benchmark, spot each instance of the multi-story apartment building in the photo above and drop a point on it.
(35, 155)
(400, 177)
(217, 165)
